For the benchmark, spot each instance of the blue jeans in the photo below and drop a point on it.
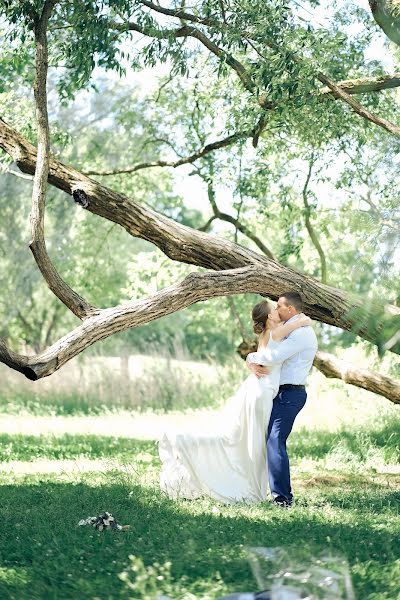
(287, 405)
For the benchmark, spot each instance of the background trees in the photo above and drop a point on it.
(249, 109)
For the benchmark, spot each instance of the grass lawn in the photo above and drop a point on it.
(348, 497)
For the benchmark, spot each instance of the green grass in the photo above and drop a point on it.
(92, 402)
(345, 470)
(67, 447)
(353, 446)
(343, 505)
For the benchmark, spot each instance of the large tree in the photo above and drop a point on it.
(282, 71)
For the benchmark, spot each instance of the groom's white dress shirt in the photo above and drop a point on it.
(295, 353)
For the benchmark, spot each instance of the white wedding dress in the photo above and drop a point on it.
(227, 459)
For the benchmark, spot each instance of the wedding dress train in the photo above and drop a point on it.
(227, 459)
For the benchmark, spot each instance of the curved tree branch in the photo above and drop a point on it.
(350, 86)
(196, 287)
(247, 232)
(309, 225)
(331, 366)
(203, 151)
(71, 299)
(179, 13)
(358, 108)
(364, 85)
(228, 218)
(342, 95)
(207, 225)
(190, 31)
(387, 14)
(323, 303)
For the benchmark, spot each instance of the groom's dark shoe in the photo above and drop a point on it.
(282, 502)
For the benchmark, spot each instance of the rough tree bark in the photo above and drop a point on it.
(196, 287)
(330, 366)
(184, 244)
(69, 297)
(323, 303)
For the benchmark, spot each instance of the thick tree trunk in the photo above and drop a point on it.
(323, 303)
(330, 366)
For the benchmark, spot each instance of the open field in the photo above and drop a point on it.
(58, 466)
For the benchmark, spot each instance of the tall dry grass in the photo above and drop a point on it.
(162, 383)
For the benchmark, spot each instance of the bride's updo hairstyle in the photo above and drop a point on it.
(259, 314)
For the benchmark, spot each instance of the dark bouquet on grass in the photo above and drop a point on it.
(104, 521)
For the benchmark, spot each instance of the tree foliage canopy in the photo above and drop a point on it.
(273, 108)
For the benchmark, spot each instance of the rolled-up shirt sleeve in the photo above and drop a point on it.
(277, 352)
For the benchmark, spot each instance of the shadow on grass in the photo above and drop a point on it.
(40, 538)
(347, 446)
(353, 443)
(31, 447)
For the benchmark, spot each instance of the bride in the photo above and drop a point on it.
(227, 459)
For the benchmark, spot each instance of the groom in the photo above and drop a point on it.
(296, 353)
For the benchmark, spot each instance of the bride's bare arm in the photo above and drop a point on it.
(283, 330)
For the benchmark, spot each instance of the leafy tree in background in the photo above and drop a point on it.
(259, 72)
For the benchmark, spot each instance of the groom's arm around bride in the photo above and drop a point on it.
(296, 354)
